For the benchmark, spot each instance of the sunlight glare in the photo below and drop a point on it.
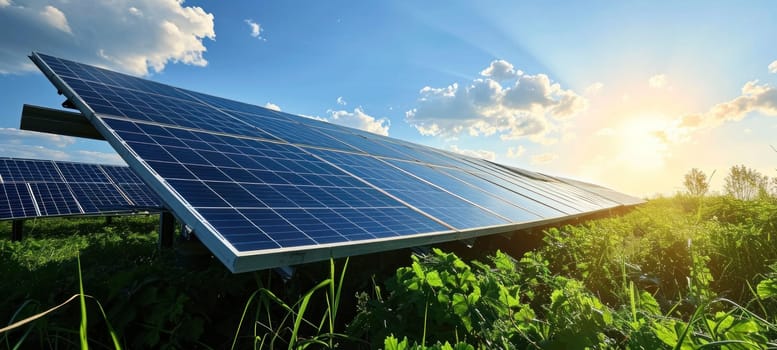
(643, 142)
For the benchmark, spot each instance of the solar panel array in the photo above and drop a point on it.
(263, 188)
(36, 188)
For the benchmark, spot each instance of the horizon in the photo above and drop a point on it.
(675, 87)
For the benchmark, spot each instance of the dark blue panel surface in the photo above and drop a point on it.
(509, 205)
(257, 182)
(16, 201)
(28, 170)
(79, 172)
(97, 197)
(54, 199)
(68, 188)
(424, 196)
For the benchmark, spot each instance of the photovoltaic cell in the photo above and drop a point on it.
(37, 188)
(245, 185)
(264, 188)
(55, 199)
(427, 197)
(16, 201)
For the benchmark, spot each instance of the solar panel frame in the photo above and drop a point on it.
(234, 259)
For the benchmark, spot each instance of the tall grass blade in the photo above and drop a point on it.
(82, 299)
(301, 311)
(111, 331)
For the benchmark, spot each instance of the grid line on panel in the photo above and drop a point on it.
(544, 188)
(16, 201)
(521, 185)
(18, 170)
(68, 188)
(430, 199)
(486, 198)
(255, 180)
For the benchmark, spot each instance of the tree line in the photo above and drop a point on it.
(741, 183)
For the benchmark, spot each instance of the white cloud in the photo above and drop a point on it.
(360, 120)
(515, 152)
(273, 106)
(97, 157)
(657, 81)
(341, 101)
(773, 67)
(755, 97)
(256, 29)
(476, 153)
(18, 137)
(33, 152)
(594, 89)
(531, 106)
(134, 36)
(500, 70)
(4, 3)
(544, 158)
(55, 18)
(36, 145)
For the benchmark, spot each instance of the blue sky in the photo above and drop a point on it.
(628, 95)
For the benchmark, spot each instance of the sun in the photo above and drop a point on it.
(643, 142)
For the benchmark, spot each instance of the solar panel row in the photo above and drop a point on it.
(34, 188)
(263, 188)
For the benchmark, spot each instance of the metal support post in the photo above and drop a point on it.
(17, 229)
(166, 229)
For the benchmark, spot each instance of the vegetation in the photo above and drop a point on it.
(683, 272)
(696, 183)
(745, 183)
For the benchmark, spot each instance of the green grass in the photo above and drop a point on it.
(676, 273)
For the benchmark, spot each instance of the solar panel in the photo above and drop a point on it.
(37, 188)
(263, 188)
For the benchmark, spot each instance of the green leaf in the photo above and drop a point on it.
(649, 304)
(392, 343)
(433, 279)
(665, 334)
(503, 262)
(473, 297)
(767, 289)
(744, 327)
(419, 271)
(443, 298)
(460, 306)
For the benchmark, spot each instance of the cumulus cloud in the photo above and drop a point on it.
(19, 137)
(256, 29)
(97, 157)
(55, 18)
(500, 70)
(360, 120)
(754, 97)
(515, 152)
(273, 106)
(544, 158)
(36, 145)
(522, 106)
(657, 81)
(134, 36)
(773, 67)
(476, 153)
(341, 101)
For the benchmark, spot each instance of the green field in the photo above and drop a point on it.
(682, 272)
